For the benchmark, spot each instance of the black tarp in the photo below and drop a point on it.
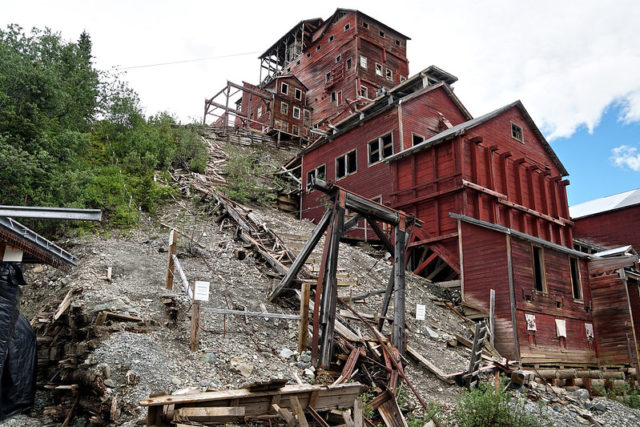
(17, 346)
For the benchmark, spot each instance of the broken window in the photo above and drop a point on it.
(284, 108)
(330, 38)
(538, 268)
(259, 111)
(397, 42)
(575, 278)
(364, 91)
(294, 129)
(363, 61)
(416, 139)
(378, 69)
(531, 321)
(346, 27)
(381, 148)
(346, 164)
(298, 94)
(381, 33)
(296, 112)
(327, 77)
(284, 88)
(348, 64)
(365, 25)
(389, 74)
(318, 47)
(516, 132)
(403, 78)
(334, 97)
(338, 58)
(308, 54)
(317, 173)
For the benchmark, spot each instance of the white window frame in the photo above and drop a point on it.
(314, 172)
(380, 143)
(296, 112)
(260, 111)
(284, 108)
(338, 58)
(284, 88)
(347, 27)
(363, 61)
(388, 73)
(348, 63)
(295, 129)
(298, 92)
(366, 91)
(345, 156)
(379, 70)
(413, 135)
(574, 286)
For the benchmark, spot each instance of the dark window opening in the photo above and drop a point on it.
(538, 268)
(318, 47)
(381, 33)
(516, 132)
(558, 304)
(298, 94)
(333, 97)
(346, 27)
(380, 148)
(327, 77)
(575, 278)
(330, 38)
(338, 58)
(417, 139)
(397, 42)
(284, 88)
(346, 165)
(365, 25)
(321, 172)
(348, 64)
(308, 54)
(364, 91)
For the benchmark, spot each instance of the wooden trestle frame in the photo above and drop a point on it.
(326, 294)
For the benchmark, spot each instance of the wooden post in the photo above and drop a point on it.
(492, 311)
(173, 239)
(195, 325)
(398, 279)
(303, 337)
(330, 291)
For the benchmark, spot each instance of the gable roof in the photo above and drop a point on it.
(470, 124)
(289, 76)
(605, 204)
(36, 247)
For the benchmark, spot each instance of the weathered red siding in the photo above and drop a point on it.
(611, 229)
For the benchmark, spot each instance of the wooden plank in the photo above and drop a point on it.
(284, 413)
(302, 420)
(386, 404)
(430, 366)
(303, 335)
(250, 313)
(173, 238)
(216, 414)
(399, 288)
(195, 325)
(64, 305)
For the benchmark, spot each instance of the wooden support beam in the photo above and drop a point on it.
(173, 239)
(381, 234)
(399, 287)
(425, 263)
(226, 311)
(353, 222)
(387, 299)
(303, 335)
(302, 257)
(330, 291)
(195, 325)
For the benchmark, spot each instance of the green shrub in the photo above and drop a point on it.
(486, 406)
(243, 172)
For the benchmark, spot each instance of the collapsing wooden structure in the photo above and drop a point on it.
(326, 293)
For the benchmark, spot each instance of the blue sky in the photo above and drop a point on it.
(590, 157)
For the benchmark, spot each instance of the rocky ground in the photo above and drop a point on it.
(233, 350)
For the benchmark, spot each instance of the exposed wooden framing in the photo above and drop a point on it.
(303, 334)
(381, 234)
(399, 284)
(195, 325)
(226, 311)
(387, 299)
(302, 257)
(425, 263)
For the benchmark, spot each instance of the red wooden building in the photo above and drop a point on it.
(610, 221)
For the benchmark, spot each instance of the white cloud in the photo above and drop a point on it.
(626, 156)
(567, 61)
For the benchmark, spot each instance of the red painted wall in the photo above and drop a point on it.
(611, 229)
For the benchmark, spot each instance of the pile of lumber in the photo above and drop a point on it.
(240, 136)
(259, 403)
(65, 336)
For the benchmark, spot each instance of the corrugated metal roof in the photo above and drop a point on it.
(605, 204)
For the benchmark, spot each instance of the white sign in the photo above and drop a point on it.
(420, 311)
(202, 291)
(12, 254)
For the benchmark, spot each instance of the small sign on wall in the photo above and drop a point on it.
(12, 254)
(420, 311)
(201, 292)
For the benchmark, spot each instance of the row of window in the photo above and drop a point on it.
(539, 276)
(366, 25)
(388, 72)
(347, 164)
(284, 125)
(284, 109)
(284, 89)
